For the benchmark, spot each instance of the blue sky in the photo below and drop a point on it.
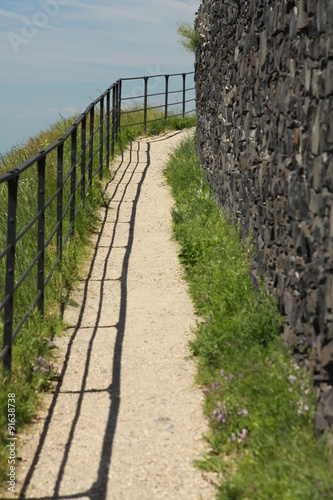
(56, 56)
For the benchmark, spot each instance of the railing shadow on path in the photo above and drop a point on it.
(99, 488)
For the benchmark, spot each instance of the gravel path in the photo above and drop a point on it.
(125, 422)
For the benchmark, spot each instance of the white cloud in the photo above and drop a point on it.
(85, 44)
(12, 15)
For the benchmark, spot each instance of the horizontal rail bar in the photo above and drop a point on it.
(4, 352)
(27, 272)
(155, 76)
(5, 251)
(4, 302)
(24, 319)
(98, 137)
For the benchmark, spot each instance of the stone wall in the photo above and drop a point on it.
(264, 89)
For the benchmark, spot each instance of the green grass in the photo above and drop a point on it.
(156, 124)
(258, 402)
(32, 370)
(189, 38)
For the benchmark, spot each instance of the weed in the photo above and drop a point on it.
(189, 38)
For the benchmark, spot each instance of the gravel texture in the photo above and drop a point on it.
(125, 421)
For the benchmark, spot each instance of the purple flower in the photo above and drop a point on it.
(254, 281)
(231, 377)
(222, 373)
(233, 437)
(245, 413)
(242, 435)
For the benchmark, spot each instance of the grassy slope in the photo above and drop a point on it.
(258, 402)
(32, 357)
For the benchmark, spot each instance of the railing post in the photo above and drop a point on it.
(166, 96)
(119, 105)
(73, 179)
(108, 129)
(91, 142)
(60, 166)
(83, 158)
(10, 273)
(101, 137)
(145, 104)
(113, 118)
(41, 231)
(184, 93)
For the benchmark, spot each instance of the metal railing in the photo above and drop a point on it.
(89, 144)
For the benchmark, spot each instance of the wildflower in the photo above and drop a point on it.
(291, 378)
(222, 373)
(231, 377)
(254, 281)
(306, 408)
(245, 412)
(228, 344)
(242, 435)
(233, 437)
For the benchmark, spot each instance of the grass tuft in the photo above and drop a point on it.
(189, 38)
(258, 402)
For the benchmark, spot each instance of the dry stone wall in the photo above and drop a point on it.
(264, 89)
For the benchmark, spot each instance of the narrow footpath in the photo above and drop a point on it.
(125, 421)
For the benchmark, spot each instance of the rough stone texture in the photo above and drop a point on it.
(264, 88)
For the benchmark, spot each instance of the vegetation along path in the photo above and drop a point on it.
(125, 421)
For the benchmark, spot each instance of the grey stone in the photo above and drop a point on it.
(264, 88)
(302, 19)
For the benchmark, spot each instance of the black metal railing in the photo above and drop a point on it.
(89, 144)
(172, 85)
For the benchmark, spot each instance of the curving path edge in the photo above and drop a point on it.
(125, 421)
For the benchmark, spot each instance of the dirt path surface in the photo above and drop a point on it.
(125, 421)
